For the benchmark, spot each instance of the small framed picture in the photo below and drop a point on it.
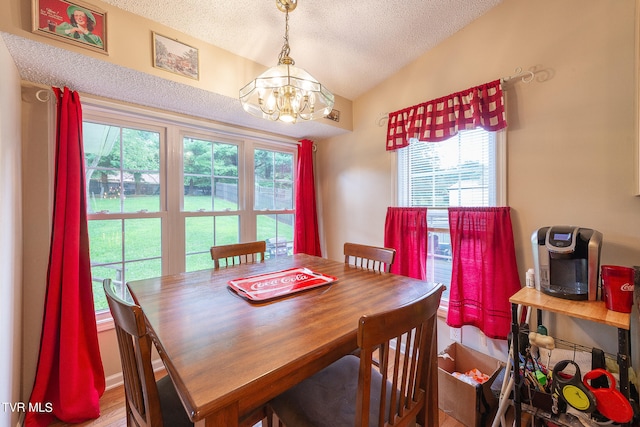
(333, 115)
(176, 57)
(71, 21)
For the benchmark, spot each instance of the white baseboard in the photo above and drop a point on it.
(116, 380)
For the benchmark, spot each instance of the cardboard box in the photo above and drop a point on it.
(472, 405)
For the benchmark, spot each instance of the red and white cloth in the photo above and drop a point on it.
(442, 118)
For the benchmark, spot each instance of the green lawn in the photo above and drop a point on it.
(143, 244)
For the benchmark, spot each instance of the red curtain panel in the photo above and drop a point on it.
(484, 271)
(306, 239)
(405, 230)
(70, 377)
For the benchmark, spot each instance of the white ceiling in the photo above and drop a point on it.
(349, 46)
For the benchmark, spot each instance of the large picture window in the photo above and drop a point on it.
(161, 193)
(465, 170)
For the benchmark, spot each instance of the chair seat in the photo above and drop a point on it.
(173, 413)
(328, 398)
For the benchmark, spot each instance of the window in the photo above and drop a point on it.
(210, 198)
(465, 170)
(161, 193)
(273, 172)
(124, 206)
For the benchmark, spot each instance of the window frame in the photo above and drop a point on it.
(179, 263)
(255, 213)
(499, 173)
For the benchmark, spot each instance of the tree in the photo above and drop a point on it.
(141, 154)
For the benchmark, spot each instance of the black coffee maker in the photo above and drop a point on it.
(567, 261)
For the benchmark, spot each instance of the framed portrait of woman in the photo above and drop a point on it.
(72, 22)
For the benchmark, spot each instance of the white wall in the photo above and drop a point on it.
(10, 237)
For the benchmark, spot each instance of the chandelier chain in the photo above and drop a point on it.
(284, 53)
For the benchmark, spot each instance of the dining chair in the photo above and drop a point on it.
(369, 257)
(238, 253)
(149, 403)
(352, 392)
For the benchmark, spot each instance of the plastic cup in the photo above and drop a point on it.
(617, 287)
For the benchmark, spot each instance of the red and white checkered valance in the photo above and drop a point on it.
(442, 118)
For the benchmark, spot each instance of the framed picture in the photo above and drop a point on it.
(333, 115)
(72, 22)
(176, 57)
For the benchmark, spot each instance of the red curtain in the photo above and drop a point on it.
(442, 118)
(405, 230)
(306, 239)
(484, 271)
(69, 377)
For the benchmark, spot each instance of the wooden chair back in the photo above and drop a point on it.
(238, 253)
(369, 257)
(411, 369)
(141, 392)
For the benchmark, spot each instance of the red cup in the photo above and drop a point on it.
(617, 287)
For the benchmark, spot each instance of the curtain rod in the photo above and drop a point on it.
(526, 76)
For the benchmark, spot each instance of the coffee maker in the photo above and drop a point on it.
(567, 261)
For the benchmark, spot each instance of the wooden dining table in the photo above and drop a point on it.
(228, 356)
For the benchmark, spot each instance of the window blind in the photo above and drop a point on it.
(459, 171)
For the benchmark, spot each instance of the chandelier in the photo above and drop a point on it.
(286, 92)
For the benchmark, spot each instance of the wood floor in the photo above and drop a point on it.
(112, 413)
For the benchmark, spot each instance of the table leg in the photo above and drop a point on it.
(227, 416)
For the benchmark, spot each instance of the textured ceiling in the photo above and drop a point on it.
(349, 46)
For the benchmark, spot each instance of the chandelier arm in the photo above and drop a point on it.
(306, 109)
(304, 116)
(276, 104)
(273, 114)
(268, 112)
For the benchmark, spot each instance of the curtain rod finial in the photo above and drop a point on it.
(381, 118)
(43, 95)
(527, 76)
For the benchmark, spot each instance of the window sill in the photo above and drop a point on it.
(104, 323)
(443, 309)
